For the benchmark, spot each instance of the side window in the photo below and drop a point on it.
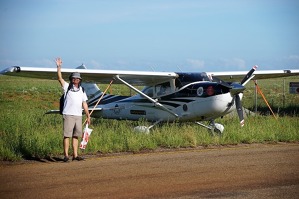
(163, 89)
(148, 91)
(158, 90)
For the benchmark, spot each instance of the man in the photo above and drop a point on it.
(75, 99)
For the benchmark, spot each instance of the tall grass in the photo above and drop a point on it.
(26, 132)
(277, 94)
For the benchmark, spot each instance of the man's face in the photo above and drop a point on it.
(75, 80)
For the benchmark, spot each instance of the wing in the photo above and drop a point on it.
(91, 75)
(236, 76)
(136, 77)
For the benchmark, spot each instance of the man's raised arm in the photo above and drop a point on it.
(59, 75)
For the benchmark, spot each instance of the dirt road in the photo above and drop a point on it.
(247, 171)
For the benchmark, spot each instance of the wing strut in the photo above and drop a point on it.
(146, 96)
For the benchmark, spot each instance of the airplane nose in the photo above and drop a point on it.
(236, 89)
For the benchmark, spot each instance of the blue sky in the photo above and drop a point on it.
(159, 35)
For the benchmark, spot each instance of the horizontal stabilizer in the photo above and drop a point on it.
(53, 112)
(95, 109)
(58, 112)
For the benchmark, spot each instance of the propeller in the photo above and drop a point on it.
(248, 75)
(237, 88)
(221, 82)
(239, 109)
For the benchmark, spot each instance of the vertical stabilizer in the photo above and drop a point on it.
(92, 90)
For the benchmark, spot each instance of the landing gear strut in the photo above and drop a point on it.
(215, 128)
(145, 129)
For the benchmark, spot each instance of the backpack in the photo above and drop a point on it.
(62, 98)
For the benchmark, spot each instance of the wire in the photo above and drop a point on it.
(261, 93)
(99, 99)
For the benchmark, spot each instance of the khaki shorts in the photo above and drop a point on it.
(72, 126)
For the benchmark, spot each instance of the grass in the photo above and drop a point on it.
(277, 94)
(26, 132)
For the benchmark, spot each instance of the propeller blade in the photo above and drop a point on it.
(239, 110)
(249, 74)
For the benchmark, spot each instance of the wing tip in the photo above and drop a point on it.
(11, 69)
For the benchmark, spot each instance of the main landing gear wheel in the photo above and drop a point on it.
(145, 129)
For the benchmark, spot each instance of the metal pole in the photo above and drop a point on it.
(255, 100)
(284, 94)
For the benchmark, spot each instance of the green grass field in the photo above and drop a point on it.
(26, 132)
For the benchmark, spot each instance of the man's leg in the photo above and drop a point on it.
(68, 125)
(76, 134)
(75, 146)
(75, 149)
(66, 145)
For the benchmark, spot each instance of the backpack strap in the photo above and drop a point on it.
(68, 89)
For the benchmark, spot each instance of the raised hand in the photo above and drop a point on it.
(58, 61)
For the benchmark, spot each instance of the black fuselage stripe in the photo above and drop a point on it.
(108, 99)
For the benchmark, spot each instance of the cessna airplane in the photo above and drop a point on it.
(166, 97)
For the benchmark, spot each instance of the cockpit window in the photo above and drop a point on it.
(162, 89)
(187, 78)
(157, 90)
(148, 91)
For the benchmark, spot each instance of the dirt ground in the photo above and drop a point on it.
(244, 171)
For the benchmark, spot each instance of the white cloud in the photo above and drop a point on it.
(293, 57)
(196, 64)
(233, 63)
(47, 63)
(95, 65)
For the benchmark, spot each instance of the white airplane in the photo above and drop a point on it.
(166, 97)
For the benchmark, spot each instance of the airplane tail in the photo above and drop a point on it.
(93, 94)
(92, 90)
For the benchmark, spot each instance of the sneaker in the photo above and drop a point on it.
(78, 158)
(66, 159)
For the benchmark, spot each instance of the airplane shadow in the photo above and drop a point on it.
(292, 111)
(45, 159)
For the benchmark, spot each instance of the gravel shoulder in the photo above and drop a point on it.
(243, 171)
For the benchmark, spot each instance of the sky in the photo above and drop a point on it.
(151, 35)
